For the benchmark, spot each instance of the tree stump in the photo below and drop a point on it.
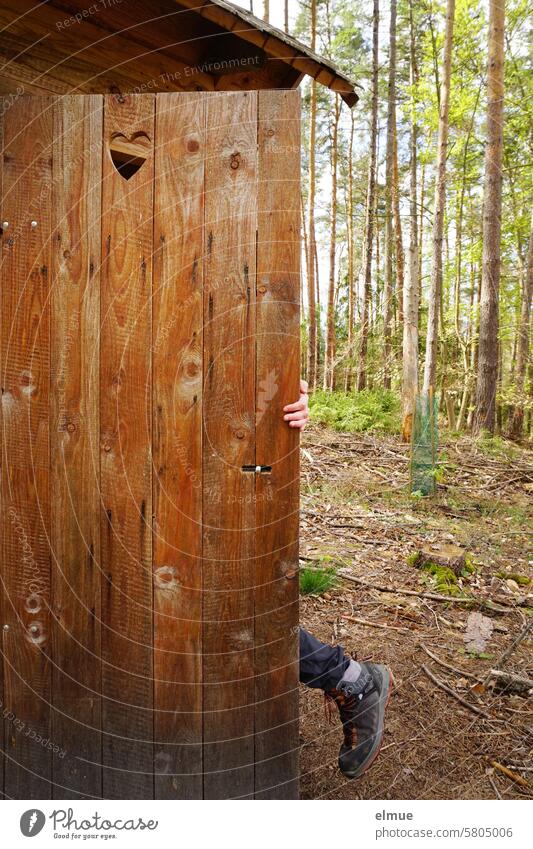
(446, 555)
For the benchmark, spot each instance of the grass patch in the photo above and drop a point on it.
(495, 446)
(369, 410)
(315, 581)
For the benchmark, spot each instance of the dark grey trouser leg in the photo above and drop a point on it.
(321, 666)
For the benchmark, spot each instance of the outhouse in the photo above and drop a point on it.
(150, 293)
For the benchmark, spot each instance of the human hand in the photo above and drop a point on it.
(297, 414)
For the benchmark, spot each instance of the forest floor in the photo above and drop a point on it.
(357, 515)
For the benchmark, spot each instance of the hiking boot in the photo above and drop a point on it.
(361, 705)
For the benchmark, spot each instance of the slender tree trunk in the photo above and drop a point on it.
(412, 287)
(421, 230)
(395, 190)
(318, 355)
(351, 282)
(459, 239)
(389, 243)
(286, 16)
(369, 224)
(487, 377)
(435, 294)
(376, 310)
(311, 277)
(329, 363)
(522, 354)
(266, 11)
(475, 349)
(303, 352)
(400, 253)
(458, 264)
(469, 344)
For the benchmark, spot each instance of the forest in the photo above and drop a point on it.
(418, 267)
(417, 286)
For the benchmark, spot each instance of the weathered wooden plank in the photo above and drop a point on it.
(277, 445)
(74, 447)
(3, 109)
(80, 54)
(25, 372)
(125, 461)
(229, 443)
(177, 447)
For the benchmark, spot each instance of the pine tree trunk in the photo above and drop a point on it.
(421, 230)
(400, 253)
(351, 281)
(469, 337)
(412, 286)
(435, 294)
(395, 188)
(266, 11)
(389, 243)
(329, 363)
(522, 353)
(487, 376)
(303, 349)
(369, 223)
(311, 278)
(475, 348)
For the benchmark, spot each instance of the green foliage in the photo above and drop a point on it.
(369, 410)
(344, 34)
(469, 567)
(318, 580)
(478, 655)
(521, 580)
(444, 579)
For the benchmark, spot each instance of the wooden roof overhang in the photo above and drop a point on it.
(98, 46)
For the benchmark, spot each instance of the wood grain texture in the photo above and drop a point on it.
(228, 444)
(277, 445)
(93, 57)
(158, 575)
(25, 518)
(74, 447)
(177, 444)
(125, 461)
(2, 620)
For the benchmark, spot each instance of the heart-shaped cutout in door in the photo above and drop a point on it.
(129, 154)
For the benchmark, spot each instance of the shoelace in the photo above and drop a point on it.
(329, 701)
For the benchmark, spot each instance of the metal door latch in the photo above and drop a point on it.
(257, 469)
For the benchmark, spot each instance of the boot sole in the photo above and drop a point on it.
(388, 683)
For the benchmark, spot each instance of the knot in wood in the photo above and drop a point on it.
(235, 161)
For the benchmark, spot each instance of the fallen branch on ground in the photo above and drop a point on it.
(373, 624)
(510, 774)
(489, 605)
(508, 652)
(448, 666)
(516, 682)
(451, 692)
(493, 785)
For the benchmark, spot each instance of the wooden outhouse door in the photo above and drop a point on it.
(149, 518)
